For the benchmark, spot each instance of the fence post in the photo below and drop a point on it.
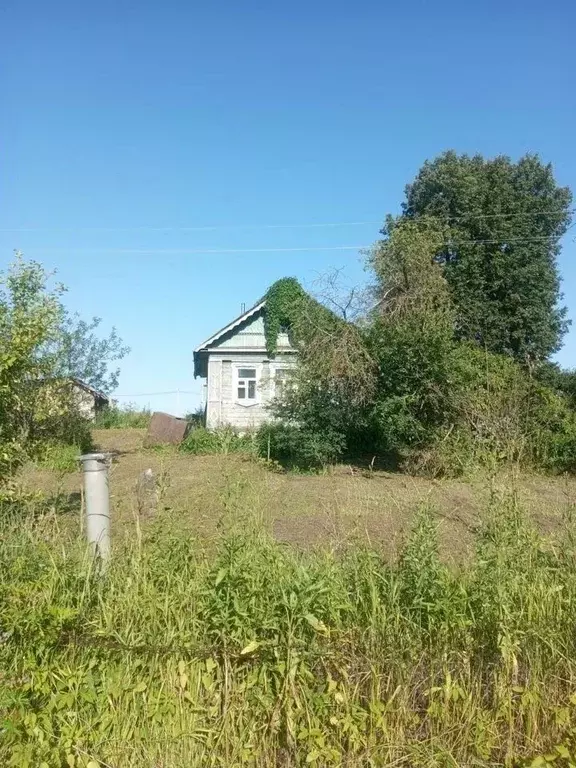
(97, 500)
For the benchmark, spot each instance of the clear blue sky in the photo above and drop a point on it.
(121, 117)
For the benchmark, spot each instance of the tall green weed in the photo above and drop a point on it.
(250, 653)
(224, 440)
(129, 416)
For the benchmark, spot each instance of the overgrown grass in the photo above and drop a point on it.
(58, 457)
(226, 439)
(253, 654)
(127, 416)
(280, 446)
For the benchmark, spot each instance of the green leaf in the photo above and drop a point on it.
(250, 648)
(315, 623)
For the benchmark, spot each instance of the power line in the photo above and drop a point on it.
(151, 394)
(308, 225)
(204, 228)
(530, 215)
(297, 249)
(209, 251)
(506, 240)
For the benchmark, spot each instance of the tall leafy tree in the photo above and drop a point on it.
(411, 335)
(81, 353)
(30, 317)
(499, 252)
(41, 347)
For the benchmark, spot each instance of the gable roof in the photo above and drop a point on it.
(88, 388)
(230, 327)
(201, 352)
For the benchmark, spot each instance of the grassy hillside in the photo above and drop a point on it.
(209, 642)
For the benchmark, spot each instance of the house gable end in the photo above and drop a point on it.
(247, 335)
(227, 328)
(244, 334)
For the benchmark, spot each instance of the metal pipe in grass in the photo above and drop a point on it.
(97, 500)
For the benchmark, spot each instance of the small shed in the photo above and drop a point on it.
(90, 401)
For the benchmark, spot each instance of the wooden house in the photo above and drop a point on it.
(241, 379)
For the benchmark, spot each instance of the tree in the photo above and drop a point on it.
(81, 354)
(400, 385)
(41, 347)
(380, 385)
(499, 251)
(444, 404)
(332, 354)
(560, 380)
(30, 318)
(411, 335)
(334, 379)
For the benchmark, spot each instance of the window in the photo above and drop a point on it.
(246, 384)
(281, 378)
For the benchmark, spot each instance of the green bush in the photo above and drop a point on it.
(68, 428)
(403, 387)
(299, 446)
(58, 457)
(18, 505)
(58, 441)
(560, 380)
(128, 416)
(202, 441)
(440, 408)
(501, 415)
(12, 456)
(552, 431)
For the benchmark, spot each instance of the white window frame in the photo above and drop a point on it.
(247, 402)
(280, 367)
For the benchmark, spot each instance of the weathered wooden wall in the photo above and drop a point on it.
(244, 347)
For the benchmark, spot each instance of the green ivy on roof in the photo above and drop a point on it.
(289, 307)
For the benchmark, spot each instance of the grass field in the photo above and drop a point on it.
(333, 509)
(266, 619)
